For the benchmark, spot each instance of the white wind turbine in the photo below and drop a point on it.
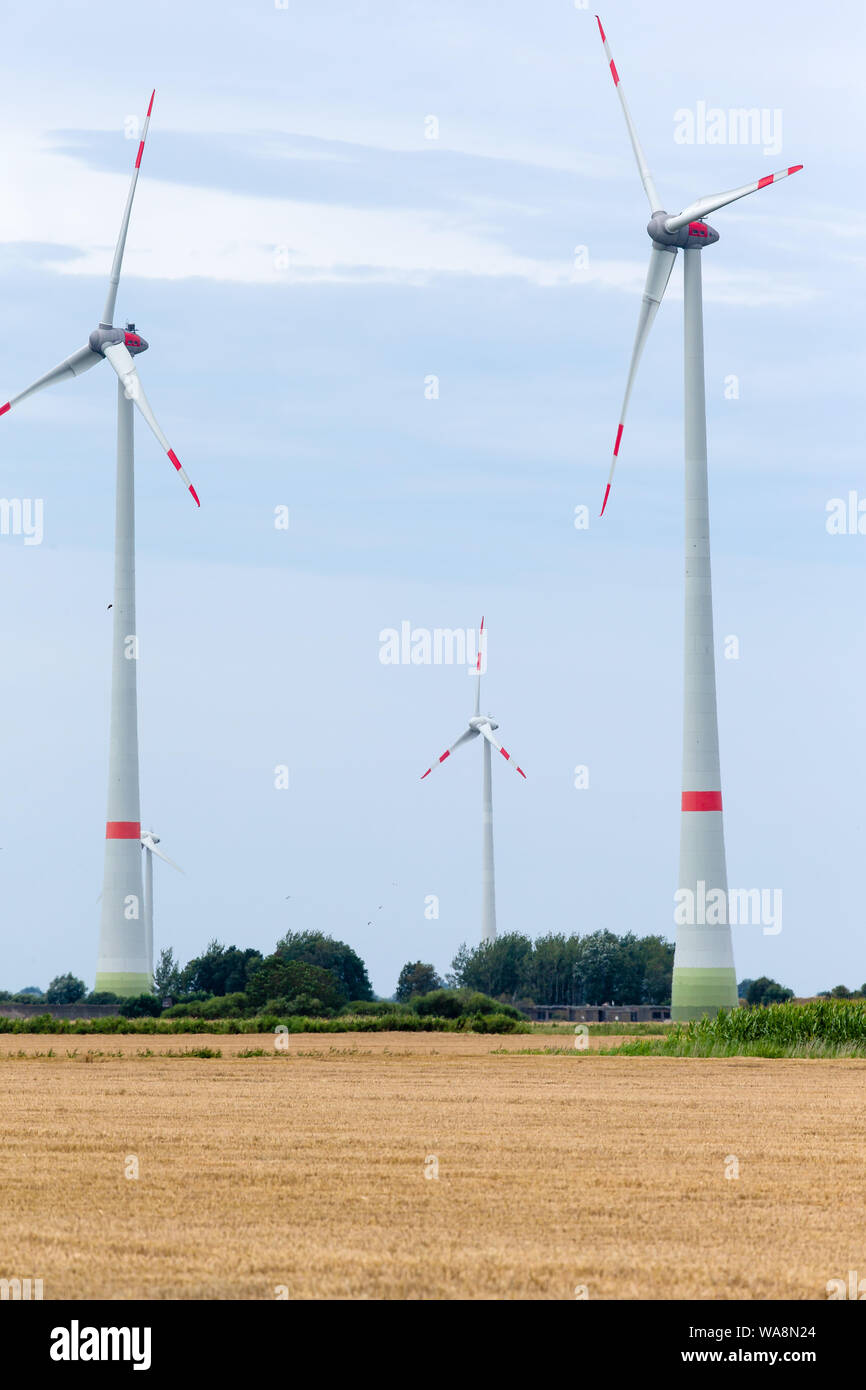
(483, 725)
(703, 977)
(125, 963)
(149, 842)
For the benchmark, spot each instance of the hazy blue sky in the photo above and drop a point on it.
(300, 259)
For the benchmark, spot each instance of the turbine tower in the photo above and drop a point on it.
(703, 980)
(483, 725)
(125, 964)
(149, 842)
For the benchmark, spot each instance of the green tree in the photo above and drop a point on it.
(166, 976)
(497, 968)
(743, 988)
(454, 978)
(295, 986)
(313, 948)
(220, 970)
(658, 967)
(766, 991)
(65, 989)
(416, 977)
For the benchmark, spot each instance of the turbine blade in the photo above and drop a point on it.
(121, 360)
(661, 263)
(464, 738)
(158, 852)
(704, 206)
(114, 279)
(643, 168)
(485, 733)
(80, 361)
(478, 671)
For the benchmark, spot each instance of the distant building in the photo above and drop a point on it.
(597, 1013)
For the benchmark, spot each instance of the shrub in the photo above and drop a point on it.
(460, 1003)
(493, 1023)
(375, 1007)
(221, 1006)
(141, 1006)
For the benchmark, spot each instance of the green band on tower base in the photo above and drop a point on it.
(127, 986)
(697, 992)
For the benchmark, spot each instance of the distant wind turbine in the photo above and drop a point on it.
(483, 725)
(149, 843)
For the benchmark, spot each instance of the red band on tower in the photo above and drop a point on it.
(702, 801)
(123, 830)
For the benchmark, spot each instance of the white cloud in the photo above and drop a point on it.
(180, 232)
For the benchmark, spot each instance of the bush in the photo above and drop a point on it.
(460, 1003)
(235, 1005)
(102, 996)
(141, 1006)
(493, 1023)
(376, 1007)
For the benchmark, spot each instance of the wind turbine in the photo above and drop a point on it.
(483, 725)
(703, 978)
(125, 963)
(149, 842)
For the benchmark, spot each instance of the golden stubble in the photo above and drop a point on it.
(305, 1171)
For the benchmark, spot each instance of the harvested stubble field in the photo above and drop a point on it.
(306, 1170)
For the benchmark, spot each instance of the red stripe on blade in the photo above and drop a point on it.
(140, 153)
(4, 408)
(504, 754)
(195, 495)
(150, 108)
(600, 30)
(795, 168)
(426, 774)
(522, 773)
(762, 183)
(123, 830)
(604, 503)
(702, 801)
(174, 458)
(446, 754)
(614, 74)
(618, 439)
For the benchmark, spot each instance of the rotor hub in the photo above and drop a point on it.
(694, 236)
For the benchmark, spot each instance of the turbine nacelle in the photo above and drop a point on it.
(478, 719)
(103, 337)
(693, 234)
